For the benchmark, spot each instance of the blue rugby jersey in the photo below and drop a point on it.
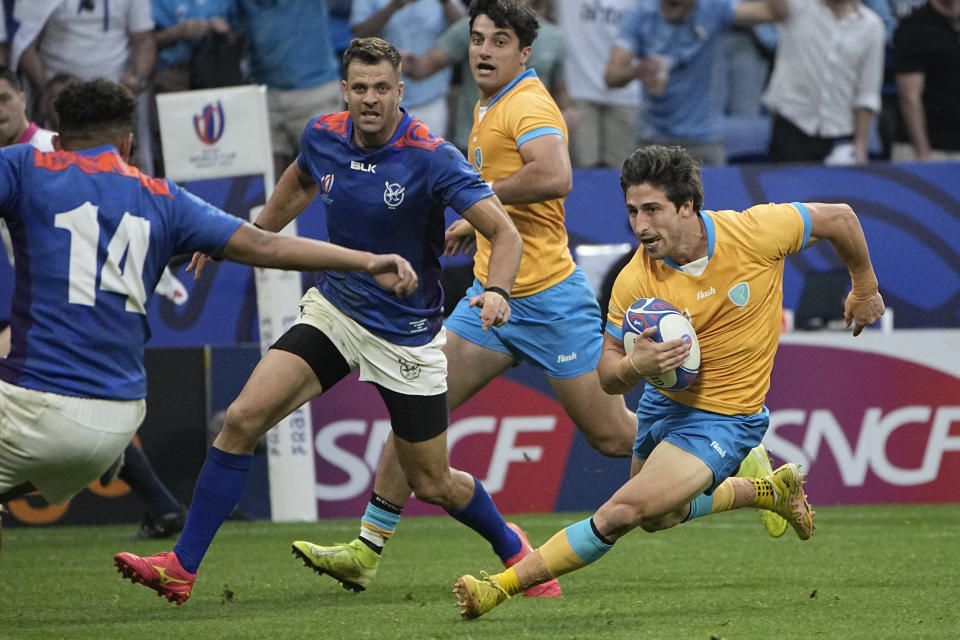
(91, 236)
(390, 199)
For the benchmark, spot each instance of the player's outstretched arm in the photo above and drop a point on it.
(253, 246)
(506, 248)
(294, 191)
(839, 224)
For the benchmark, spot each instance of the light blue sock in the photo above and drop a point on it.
(700, 506)
(586, 541)
(218, 488)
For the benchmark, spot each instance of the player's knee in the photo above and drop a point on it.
(618, 518)
(616, 438)
(652, 525)
(241, 425)
(429, 490)
(614, 445)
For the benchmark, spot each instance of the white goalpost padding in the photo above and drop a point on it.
(223, 133)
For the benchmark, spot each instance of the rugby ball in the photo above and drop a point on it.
(670, 324)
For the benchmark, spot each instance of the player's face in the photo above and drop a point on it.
(676, 10)
(372, 93)
(13, 107)
(658, 224)
(495, 56)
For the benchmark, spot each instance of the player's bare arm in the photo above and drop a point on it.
(250, 245)
(620, 373)
(294, 191)
(490, 219)
(839, 224)
(546, 173)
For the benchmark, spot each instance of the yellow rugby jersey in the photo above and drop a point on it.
(523, 110)
(734, 305)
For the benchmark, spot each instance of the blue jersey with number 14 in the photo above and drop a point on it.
(389, 199)
(91, 236)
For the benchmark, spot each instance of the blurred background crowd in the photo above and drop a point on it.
(834, 81)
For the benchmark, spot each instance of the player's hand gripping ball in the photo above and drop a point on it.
(670, 324)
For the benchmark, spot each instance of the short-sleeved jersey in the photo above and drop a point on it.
(389, 199)
(91, 236)
(522, 111)
(734, 305)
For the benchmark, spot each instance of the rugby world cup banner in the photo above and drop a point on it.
(215, 133)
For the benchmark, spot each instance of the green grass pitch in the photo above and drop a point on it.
(868, 572)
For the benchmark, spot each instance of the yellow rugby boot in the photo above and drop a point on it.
(757, 465)
(476, 597)
(352, 564)
(790, 501)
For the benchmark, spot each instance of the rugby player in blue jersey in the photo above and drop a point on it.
(385, 181)
(91, 235)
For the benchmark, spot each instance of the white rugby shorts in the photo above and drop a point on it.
(61, 443)
(414, 371)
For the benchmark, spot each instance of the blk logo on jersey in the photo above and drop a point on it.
(393, 194)
(478, 158)
(209, 123)
(360, 166)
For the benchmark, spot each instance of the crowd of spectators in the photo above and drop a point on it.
(835, 81)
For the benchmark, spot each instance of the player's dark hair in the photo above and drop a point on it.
(671, 169)
(6, 73)
(370, 51)
(508, 14)
(94, 108)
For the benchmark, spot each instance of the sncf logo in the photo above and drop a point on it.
(209, 123)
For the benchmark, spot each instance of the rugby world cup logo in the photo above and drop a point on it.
(326, 183)
(209, 123)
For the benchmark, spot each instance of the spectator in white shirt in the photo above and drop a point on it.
(827, 75)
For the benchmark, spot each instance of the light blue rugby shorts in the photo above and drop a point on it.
(558, 330)
(721, 441)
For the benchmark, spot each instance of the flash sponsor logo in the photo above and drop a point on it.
(705, 294)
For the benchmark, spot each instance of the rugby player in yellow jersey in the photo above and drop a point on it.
(519, 146)
(690, 442)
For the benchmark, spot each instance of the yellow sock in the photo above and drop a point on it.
(509, 581)
(765, 496)
(558, 555)
(722, 497)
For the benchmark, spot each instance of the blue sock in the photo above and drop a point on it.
(218, 488)
(143, 480)
(700, 506)
(482, 516)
